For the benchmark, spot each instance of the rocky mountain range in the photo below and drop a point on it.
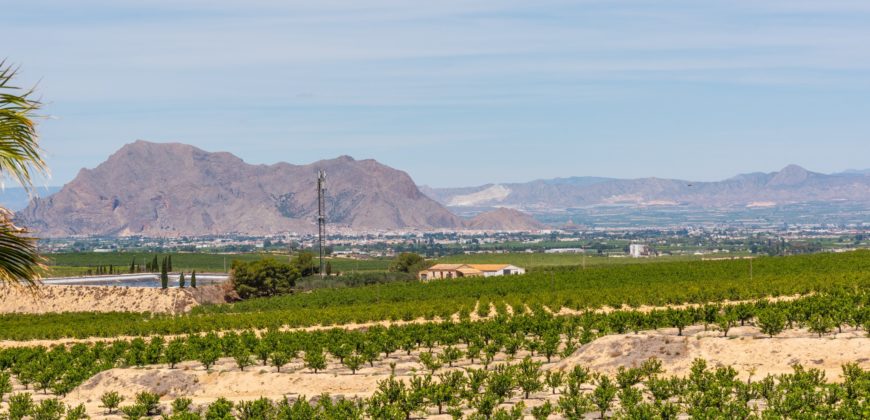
(172, 189)
(791, 185)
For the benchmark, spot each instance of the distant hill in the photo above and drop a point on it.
(855, 172)
(17, 198)
(793, 184)
(155, 189)
(504, 219)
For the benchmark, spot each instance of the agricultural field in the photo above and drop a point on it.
(539, 260)
(79, 263)
(783, 338)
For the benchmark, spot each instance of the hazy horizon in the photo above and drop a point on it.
(43, 186)
(457, 93)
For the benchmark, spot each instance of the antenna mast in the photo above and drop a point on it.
(321, 215)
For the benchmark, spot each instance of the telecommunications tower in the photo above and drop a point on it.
(321, 215)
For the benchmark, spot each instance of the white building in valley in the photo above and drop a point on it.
(452, 271)
(638, 250)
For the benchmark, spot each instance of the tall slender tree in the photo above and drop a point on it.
(181, 280)
(20, 159)
(164, 275)
(193, 279)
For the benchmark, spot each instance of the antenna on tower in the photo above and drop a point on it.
(321, 215)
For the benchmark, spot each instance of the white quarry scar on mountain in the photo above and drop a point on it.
(492, 194)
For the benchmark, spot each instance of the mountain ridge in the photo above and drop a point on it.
(169, 189)
(792, 184)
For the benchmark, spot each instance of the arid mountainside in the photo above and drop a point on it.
(170, 189)
(792, 184)
(504, 219)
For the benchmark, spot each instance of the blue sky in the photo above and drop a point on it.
(457, 92)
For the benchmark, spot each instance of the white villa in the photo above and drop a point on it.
(451, 271)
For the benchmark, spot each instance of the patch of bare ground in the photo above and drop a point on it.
(58, 298)
(745, 349)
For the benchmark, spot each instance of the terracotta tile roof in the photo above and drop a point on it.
(489, 267)
(446, 267)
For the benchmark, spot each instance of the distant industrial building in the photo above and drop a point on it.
(452, 271)
(638, 250)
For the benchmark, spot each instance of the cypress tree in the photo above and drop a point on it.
(154, 264)
(193, 280)
(169, 262)
(181, 280)
(164, 276)
(133, 266)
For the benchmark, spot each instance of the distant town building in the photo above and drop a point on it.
(565, 251)
(452, 271)
(638, 250)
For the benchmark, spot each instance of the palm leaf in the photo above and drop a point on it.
(20, 159)
(19, 259)
(20, 155)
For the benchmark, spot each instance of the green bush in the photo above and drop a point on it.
(263, 278)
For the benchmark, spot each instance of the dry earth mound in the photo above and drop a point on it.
(745, 349)
(55, 299)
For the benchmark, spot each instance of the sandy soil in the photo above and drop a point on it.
(48, 299)
(745, 349)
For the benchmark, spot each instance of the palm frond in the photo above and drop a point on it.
(20, 158)
(20, 155)
(20, 262)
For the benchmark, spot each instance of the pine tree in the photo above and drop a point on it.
(181, 280)
(164, 276)
(193, 280)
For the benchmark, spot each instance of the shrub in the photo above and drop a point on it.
(254, 410)
(150, 401)
(315, 359)
(408, 262)
(771, 321)
(111, 401)
(20, 405)
(266, 277)
(5, 384)
(50, 409)
(181, 405)
(134, 412)
(76, 413)
(221, 409)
